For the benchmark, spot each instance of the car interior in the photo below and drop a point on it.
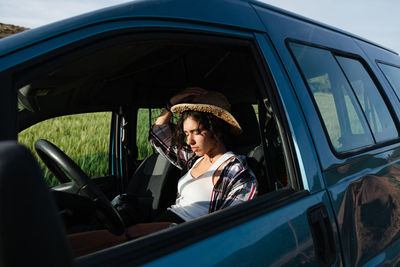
(123, 74)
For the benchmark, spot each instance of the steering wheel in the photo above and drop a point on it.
(61, 165)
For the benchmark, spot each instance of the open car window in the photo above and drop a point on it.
(134, 78)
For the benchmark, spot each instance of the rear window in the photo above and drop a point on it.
(392, 74)
(350, 105)
(373, 106)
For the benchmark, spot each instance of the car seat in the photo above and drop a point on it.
(31, 230)
(249, 143)
(149, 184)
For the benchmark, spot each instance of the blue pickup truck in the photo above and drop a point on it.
(319, 108)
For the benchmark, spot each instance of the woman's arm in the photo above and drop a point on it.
(160, 139)
(163, 119)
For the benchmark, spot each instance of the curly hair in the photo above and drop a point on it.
(219, 129)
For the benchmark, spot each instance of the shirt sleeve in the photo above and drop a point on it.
(161, 140)
(236, 184)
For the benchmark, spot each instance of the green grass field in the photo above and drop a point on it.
(82, 137)
(143, 126)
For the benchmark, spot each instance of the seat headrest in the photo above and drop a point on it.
(250, 137)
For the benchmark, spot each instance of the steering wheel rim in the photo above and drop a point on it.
(61, 164)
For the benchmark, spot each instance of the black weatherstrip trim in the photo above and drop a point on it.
(152, 247)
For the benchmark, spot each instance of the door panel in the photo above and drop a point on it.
(367, 206)
(308, 160)
(281, 237)
(364, 189)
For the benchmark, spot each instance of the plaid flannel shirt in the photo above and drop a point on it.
(236, 183)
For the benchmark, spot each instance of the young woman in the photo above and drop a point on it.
(216, 178)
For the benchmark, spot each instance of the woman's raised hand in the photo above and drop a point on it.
(186, 95)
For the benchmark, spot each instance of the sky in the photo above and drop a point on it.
(375, 20)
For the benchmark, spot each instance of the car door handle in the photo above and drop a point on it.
(322, 234)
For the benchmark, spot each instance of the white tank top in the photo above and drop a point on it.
(194, 194)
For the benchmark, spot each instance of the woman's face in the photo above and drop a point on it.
(198, 139)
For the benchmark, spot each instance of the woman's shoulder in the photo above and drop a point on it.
(239, 163)
(237, 159)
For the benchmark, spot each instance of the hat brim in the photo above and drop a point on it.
(216, 111)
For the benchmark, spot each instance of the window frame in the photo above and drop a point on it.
(225, 219)
(62, 55)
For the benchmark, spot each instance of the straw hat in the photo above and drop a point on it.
(212, 102)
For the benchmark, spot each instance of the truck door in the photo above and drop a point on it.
(351, 117)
